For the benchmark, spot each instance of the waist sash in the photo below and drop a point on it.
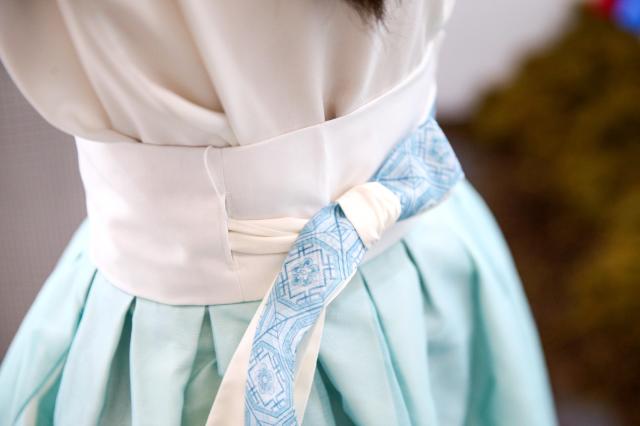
(274, 364)
(207, 225)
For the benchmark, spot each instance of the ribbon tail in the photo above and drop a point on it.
(228, 408)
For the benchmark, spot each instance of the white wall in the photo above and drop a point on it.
(486, 40)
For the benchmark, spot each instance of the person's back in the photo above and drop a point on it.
(200, 72)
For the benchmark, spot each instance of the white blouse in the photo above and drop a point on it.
(214, 72)
(252, 115)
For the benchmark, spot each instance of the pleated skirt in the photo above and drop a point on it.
(434, 331)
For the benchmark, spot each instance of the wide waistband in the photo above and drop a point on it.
(207, 225)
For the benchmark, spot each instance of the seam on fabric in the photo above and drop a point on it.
(225, 199)
(221, 194)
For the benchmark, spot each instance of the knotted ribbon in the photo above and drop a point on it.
(279, 350)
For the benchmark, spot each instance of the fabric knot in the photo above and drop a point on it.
(276, 358)
(371, 208)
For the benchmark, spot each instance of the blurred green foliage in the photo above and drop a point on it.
(568, 125)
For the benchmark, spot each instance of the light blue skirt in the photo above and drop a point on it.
(434, 331)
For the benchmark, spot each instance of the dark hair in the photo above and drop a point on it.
(369, 9)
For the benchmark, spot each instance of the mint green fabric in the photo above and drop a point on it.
(434, 331)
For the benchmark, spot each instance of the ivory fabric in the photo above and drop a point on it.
(372, 208)
(160, 215)
(201, 72)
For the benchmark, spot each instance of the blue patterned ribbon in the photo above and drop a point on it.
(420, 170)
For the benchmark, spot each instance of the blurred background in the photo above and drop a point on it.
(541, 99)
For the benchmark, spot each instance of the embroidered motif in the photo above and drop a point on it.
(420, 171)
(305, 273)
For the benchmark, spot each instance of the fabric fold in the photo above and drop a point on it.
(91, 353)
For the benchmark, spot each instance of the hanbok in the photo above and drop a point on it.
(278, 232)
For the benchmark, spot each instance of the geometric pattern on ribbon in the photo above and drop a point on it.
(325, 254)
(420, 170)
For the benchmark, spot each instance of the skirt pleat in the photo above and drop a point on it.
(30, 371)
(434, 331)
(164, 344)
(204, 378)
(357, 360)
(85, 375)
(401, 306)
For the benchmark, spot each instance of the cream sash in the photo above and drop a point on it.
(189, 225)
